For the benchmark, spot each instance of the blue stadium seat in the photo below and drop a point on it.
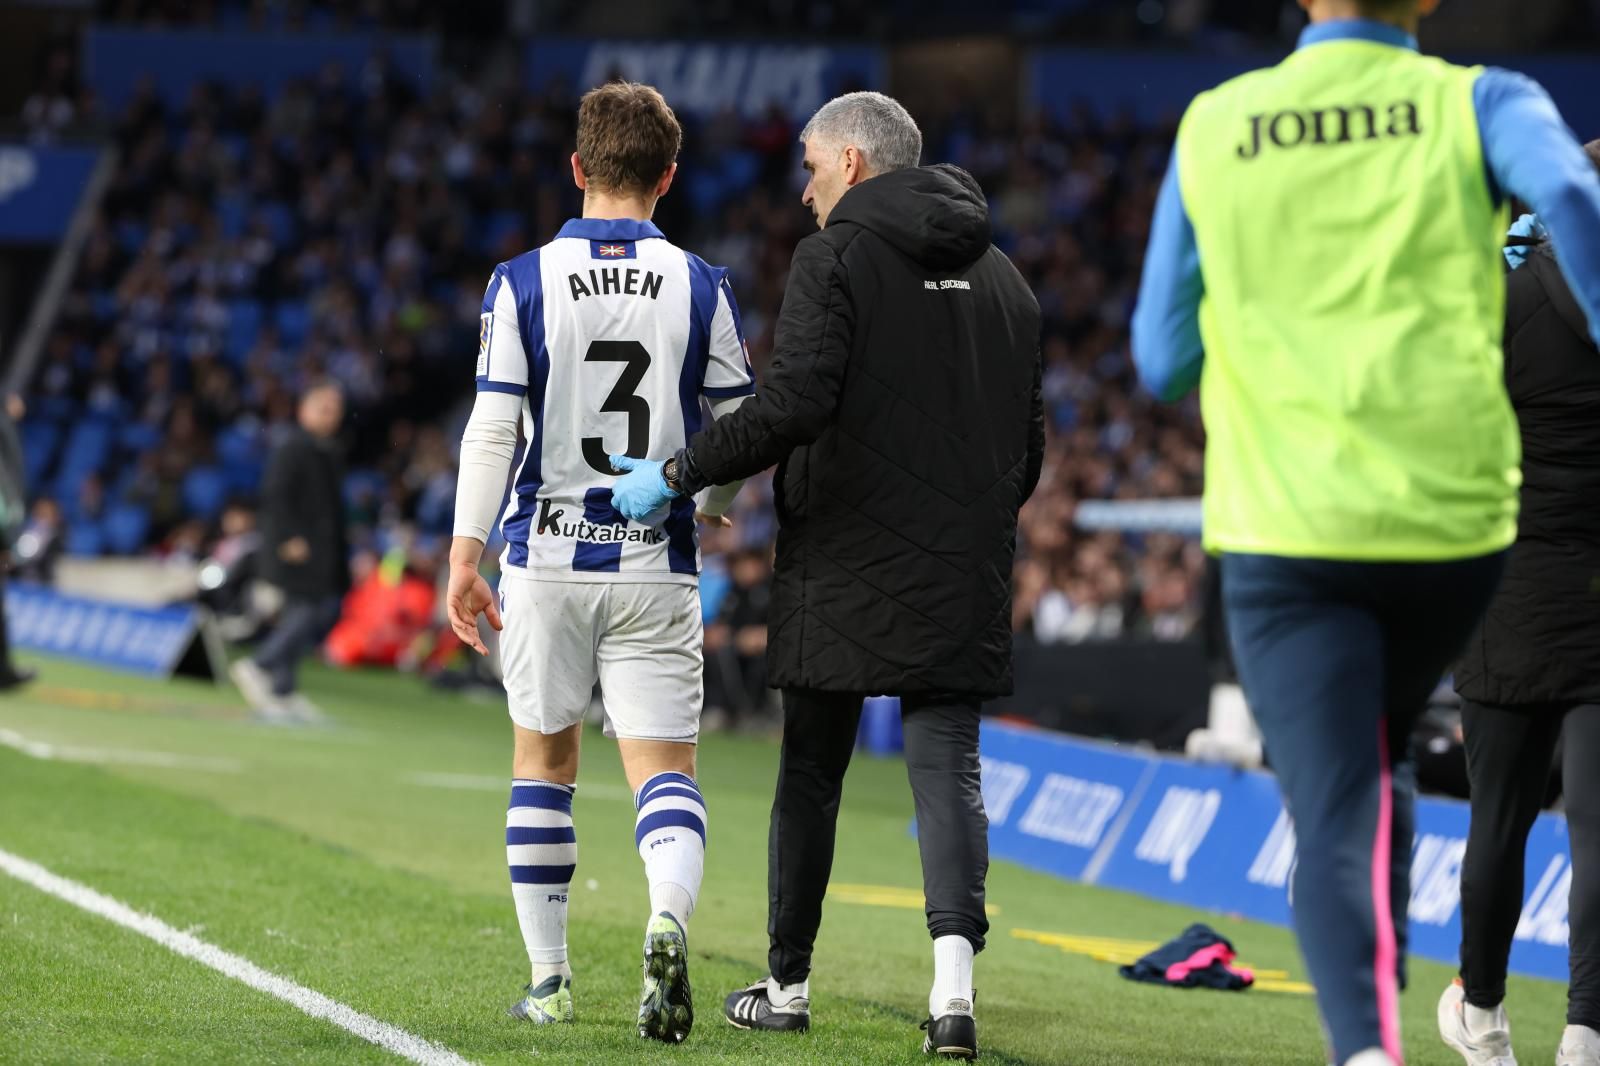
(240, 454)
(280, 221)
(138, 437)
(362, 483)
(125, 527)
(205, 492)
(233, 209)
(293, 319)
(40, 439)
(85, 538)
(244, 326)
(87, 449)
(495, 229)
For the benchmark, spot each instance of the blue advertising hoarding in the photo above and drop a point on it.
(141, 640)
(703, 78)
(39, 190)
(1219, 839)
(117, 59)
(1159, 85)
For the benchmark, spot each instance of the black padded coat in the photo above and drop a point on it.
(1539, 642)
(902, 408)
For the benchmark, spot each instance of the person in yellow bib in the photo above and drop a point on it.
(1325, 263)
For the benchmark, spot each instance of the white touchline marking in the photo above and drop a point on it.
(41, 749)
(490, 783)
(386, 1036)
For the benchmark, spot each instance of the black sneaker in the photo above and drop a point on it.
(752, 1008)
(15, 678)
(666, 1011)
(954, 1034)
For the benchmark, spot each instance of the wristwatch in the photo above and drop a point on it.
(669, 474)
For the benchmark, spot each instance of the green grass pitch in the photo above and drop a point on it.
(365, 860)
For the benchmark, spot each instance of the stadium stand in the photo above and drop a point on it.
(345, 225)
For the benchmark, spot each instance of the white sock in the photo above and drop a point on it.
(541, 852)
(952, 973)
(670, 832)
(1480, 1020)
(780, 995)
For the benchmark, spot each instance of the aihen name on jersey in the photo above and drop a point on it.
(615, 281)
(593, 532)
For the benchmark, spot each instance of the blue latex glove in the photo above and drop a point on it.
(1526, 226)
(641, 494)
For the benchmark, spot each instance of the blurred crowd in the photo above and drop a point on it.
(345, 229)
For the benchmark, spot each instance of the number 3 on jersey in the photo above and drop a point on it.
(623, 399)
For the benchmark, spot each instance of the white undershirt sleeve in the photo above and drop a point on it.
(718, 498)
(487, 449)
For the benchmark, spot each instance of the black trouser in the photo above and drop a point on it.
(1509, 753)
(301, 625)
(819, 734)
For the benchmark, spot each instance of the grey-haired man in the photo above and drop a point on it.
(902, 409)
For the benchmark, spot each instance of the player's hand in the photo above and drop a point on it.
(641, 491)
(468, 596)
(294, 550)
(715, 521)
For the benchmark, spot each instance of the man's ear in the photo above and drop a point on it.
(666, 181)
(579, 178)
(855, 166)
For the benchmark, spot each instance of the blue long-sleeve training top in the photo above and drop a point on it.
(1529, 154)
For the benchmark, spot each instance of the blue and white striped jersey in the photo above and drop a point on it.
(612, 335)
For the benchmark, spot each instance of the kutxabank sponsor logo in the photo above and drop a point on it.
(554, 523)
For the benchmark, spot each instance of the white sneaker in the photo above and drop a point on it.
(1580, 1046)
(1490, 1046)
(254, 684)
(301, 709)
(1373, 1056)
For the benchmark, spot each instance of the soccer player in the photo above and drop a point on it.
(1325, 261)
(602, 341)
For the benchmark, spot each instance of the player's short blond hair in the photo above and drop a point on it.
(627, 137)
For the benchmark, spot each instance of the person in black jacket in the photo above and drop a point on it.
(13, 514)
(303, 554)
(902, 407)
(1533, 668)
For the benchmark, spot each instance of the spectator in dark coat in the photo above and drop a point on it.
(1533, 668)
(13, 514)
(902, 407)
(303, 554)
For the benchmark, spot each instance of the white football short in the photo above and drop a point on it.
(641, 641)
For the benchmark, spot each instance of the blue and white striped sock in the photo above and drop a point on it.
(671, 834)
(542, 852)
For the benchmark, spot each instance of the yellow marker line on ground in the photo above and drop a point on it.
(885, 896)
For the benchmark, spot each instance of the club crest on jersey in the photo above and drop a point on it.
(612, 250)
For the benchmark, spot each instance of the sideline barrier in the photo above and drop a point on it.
(1218, 838)
(155, 641)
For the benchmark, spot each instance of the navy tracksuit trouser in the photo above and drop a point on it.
(1337, 660)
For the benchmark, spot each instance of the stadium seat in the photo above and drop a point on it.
(138, 437)
(244, 326)
(496, 228)
(40, 439)
(85, 538)
(87, 448)
(240, 456)
(205, 492)
(280, 221)
(124, 528)
(293, 319)
(362, 484)
(233, 211)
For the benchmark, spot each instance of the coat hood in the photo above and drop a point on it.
(936, 215)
